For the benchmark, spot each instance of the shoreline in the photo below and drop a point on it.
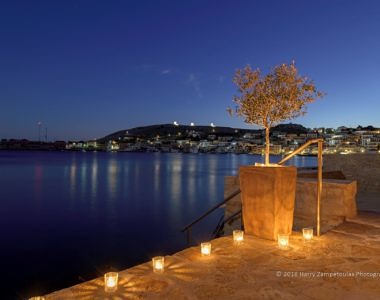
(258, 269)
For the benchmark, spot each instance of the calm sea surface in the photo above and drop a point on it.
(67, 217)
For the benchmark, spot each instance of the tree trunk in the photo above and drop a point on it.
(267, 144)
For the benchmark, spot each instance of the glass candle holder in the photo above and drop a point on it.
(307, 234)
(238, 236)
(158, 264)
(111, 281)
(206, 249)
(283, 241)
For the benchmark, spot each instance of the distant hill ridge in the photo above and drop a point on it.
(151, 131)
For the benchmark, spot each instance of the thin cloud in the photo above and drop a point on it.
(154, 69)
(167, 71)
(194, 82)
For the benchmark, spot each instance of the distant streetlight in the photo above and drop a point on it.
(175, 123)
(191, 124)
(212, 124)
(39, 123)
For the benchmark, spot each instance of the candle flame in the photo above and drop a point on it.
(111, 282)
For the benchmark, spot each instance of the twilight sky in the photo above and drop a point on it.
(86, 68)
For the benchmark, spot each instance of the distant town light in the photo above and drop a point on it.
(175, 123)
(191, 124)
(212, 124)
(111, 281)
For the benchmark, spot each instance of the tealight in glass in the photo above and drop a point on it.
(158, 264)
(111, 281)
(283, 241)
(238, 236)
(206, 249)
(307, 234)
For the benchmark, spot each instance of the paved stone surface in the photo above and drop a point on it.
(342, 264)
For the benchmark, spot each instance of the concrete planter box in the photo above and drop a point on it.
(268, 194)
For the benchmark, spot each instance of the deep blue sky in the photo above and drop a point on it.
(88, 68)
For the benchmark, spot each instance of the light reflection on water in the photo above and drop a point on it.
(112, 177)
(87, 211)
(73, 182)
(94, 177)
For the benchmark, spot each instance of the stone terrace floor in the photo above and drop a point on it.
(341, 264)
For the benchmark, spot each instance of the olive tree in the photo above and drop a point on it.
(267, 100)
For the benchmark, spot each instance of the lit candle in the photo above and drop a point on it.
(37, 298)
(110, 281)
(206, 249)
(283, 241)
(158, 264)
(307, 234)
(238, 236)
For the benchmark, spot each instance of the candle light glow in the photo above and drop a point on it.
(158, 264)
(283, 241)
(111, 281)
(206, 249)
(307, 234)
(238, 236)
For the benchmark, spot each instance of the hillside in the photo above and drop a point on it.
(172, 130)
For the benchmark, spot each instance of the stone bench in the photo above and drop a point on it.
(338, 202)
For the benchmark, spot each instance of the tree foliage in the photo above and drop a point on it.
(267, 100)
(276, 97)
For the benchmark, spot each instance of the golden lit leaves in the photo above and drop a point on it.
(268, 100)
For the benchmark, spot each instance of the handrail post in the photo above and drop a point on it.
(319, 180)
(319, 187)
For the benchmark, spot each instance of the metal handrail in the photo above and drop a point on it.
(224, 221)
(298, 150)
(228, 198)
(188, 227)
(319, 181)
